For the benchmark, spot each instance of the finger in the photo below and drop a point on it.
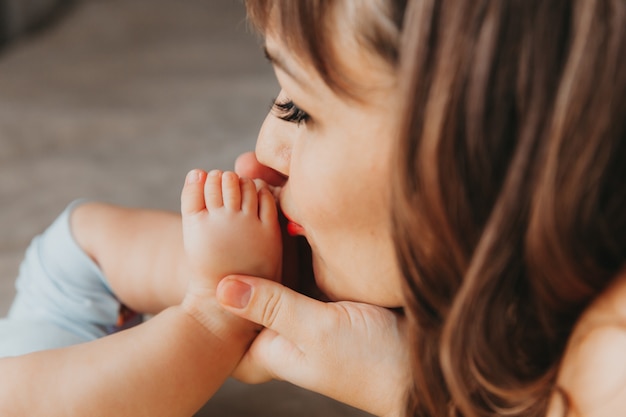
(255, 367)
(271, 305)
(247, 165)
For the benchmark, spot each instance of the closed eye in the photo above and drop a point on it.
(290, 112)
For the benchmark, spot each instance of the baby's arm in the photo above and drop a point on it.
(139, 251)
(168, 366)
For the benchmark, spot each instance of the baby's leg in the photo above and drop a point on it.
(229, 228)
(62, 297)
(140, 251)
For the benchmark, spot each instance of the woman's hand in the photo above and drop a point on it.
(352, 352)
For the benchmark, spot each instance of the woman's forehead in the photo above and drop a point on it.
(356, 72)
(330, 37)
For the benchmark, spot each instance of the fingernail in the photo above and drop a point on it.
(233, 293)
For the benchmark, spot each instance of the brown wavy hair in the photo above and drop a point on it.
(309, 28)
(509, 201)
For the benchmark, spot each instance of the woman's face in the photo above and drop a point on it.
(335, 153)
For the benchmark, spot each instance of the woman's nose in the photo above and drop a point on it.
(273, 146)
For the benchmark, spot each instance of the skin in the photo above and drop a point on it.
(332, 174)
(316, 345)
(335, 169)
(340, 206)
(160, 368)
(228, 218)
(593, 372)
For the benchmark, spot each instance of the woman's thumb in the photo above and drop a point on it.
(269, 304)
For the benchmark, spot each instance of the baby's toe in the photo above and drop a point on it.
(213, 190)
(192, 196)
(231, 193)
(268, 212)
(249, 198)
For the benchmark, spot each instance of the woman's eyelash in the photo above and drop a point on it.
(289, 112)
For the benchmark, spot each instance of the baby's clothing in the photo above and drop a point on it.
(62, 296)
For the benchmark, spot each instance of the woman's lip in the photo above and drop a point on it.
(294, 229)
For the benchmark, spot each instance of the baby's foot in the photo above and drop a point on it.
(229, 227)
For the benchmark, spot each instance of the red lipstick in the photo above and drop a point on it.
(294, 229)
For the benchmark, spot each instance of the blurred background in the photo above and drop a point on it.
(115, 100)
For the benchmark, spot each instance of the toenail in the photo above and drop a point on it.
(193, 176)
